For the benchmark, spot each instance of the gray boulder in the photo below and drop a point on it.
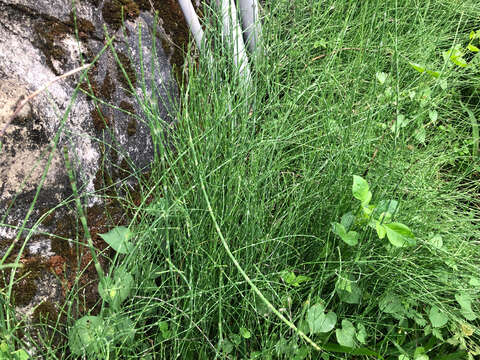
(106, 127)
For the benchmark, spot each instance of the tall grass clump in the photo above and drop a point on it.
(271, 169)
(263, 173)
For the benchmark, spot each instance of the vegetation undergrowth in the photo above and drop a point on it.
(345, 184)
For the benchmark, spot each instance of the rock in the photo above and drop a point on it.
(104, 125)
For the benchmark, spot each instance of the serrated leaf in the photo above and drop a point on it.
(437, 318)
(118, 238)
(381, 77)
(437, 333)
(417, 67)
(360, 190)
(346, 335)
(400, 235)
(318, 321)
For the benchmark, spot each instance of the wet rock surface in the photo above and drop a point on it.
(100, 121)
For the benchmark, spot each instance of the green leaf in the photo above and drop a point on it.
(435, 74)
(21, 355)
(400, 235)
(347, 220)
(390, 304)
(381, 230)
(318, 321)
(348, 290)
(346, 335)
(443, 84)
(465, 302)
(115, 291)
(118, 238)
(361, 334)
(236, 339)
(227, 346)
(360, 190)
(420, 354)
(86, 335)
(350, 238)
(381, 77)
(473, 48)
(433, 115)
(474, 281)
(290, 278)
(386, 207)
(420, 134)
(458, 60)
(436, 241)
(437, 318)
(125, 329)
(403, 357)
(245, 333)
(417, 67)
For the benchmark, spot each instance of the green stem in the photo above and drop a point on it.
(238, 266)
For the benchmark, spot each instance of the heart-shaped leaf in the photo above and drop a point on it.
(318, 321)
(118, 238)
(400, 235)
(346, 335)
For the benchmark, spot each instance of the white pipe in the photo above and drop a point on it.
(251, 25)
(232, 33)
(192, 21)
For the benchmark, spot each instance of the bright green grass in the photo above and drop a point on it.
(277, 165)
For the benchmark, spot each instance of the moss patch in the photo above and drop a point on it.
(112, 11)
(100, 121)
(108, 87)
(132, 127)
(127, 67)
(45, 313)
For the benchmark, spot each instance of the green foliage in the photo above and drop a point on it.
(90, 335)
(376, 216)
